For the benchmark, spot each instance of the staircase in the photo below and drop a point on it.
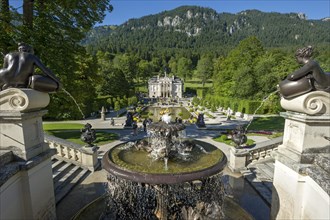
(260, 176)
(66, 176)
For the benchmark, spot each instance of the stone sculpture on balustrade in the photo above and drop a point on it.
(18, 72)
(23, 96)
(306, 90)
(301, 187)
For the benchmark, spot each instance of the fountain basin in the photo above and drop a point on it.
(136, 166)
(95, 209)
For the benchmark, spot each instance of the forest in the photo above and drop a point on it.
(105, 66)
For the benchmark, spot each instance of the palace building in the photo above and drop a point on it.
(165, 87)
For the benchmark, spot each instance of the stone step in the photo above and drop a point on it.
(245, 172)
(272, 165)
(69, 174)
(264, 172)
(269, 185)
(61, 192)
(323, 161)
(65, 177)
(56, 164)
(58, 173)
(6, 157)
(261, 160)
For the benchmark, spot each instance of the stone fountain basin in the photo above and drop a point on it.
(95, 209)
(136, 166)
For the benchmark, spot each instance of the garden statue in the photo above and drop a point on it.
(308, 78)
(18, 71)
(307, 90)
(103, 111)
(200, 120)
(88, 134)
(129, 119)
(238, 136)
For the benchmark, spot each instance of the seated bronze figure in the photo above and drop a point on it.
(18, 71)
(309, 77)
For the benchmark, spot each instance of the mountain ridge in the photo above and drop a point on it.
(203, 29)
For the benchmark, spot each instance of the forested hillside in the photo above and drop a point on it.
(191, 29)
(245, 55)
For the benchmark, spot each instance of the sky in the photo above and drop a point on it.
(127, 9)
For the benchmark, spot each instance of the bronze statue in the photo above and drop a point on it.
(308, 78)
(200, 120)
(239, 136)
(18, 70)
(88, 134)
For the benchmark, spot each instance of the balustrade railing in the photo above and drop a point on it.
(85, 157)
(241, 158)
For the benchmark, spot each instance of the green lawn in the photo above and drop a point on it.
(198, 85)
(223, 139)
(62, 126)
(267, 124)
(71, 132)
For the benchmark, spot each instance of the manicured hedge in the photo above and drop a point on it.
(201, 91)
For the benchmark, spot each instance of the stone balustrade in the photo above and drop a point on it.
(85, 157)
(240, 158)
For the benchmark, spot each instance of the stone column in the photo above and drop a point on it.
(103, 113)
(26, 192)
(171, 89)
(301, 178)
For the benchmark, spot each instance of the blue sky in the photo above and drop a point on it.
(126, 9)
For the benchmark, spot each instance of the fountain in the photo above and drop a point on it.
(164, 176)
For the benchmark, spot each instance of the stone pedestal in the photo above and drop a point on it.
(297, 192)
(26, 186)
(21, 122)
(237, 161)
(22, 133)
(90, 158)
(302, 132)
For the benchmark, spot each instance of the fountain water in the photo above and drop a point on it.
(239, 134)
(74, 102)
(261, 104)
(165, 177)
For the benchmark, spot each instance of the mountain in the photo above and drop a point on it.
(197, 29)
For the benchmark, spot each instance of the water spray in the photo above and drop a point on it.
(255, 112)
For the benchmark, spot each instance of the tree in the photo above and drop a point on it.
(114, 83)
(204, 69)
(117, 107)
(55, 30)
(127, 64)
(184, 68)
(235, 75)
(132, 100)
(145, 70)
(172, 64)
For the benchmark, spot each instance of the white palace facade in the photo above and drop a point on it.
(165, 87)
